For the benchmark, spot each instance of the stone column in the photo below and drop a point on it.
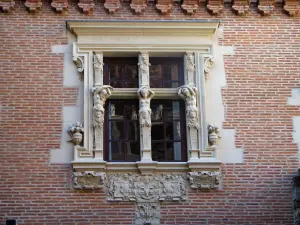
(100, 96)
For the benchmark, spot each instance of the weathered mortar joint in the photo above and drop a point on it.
(88, 180)
(7, 5)
(76, 133)
(204, 179)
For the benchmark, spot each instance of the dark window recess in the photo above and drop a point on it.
(121, 72)
(122, 137)
(11, 222)
(168, 130)
(166, 72)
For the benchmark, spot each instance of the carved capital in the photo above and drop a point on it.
(138, 6)
(112, 6)
(292, 7)
(164, 6)
(204, 180)
(145, 95)
(265, 7)
(7, 5)
(241, 7)
(59, 5)
(147, 213)
(88, 180)
(215, 7)
(33, 5)
(208, 63)
(76, 133)
(213, 134)
(190, 6)
(87, 6)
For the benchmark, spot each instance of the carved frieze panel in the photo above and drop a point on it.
(147, 213)
(88, 180)
(204, 180)
(148, 188)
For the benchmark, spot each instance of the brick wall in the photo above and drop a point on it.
(260, 76)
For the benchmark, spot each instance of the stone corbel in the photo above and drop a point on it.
(241, 7)
(7, 5)
(164, 6)
(292, 7)
(101, 94)
(112, 6)
(208, 63)
(138, 6)
(190, 6)
(87, 6)
(88, 180)
(204, 179)
(214, 7)
(33, 5)
(59, 5)
(265, 7)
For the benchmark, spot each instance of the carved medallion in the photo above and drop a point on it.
(88, 180)
(204, 180)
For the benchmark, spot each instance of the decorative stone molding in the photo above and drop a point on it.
(265, 7)
(292, 7)
(204, 180)
(215, 7)
(7, 5)
(164, 6)
(33, 5)
(138, 6)
(208, 63)
(147, 213)
(190, 6)
(189, 65)
(87, 6)
(112, 6)
(76, 133)
(130, 187)
(241, 7)
(213, 134)
(98, 68)
(59, 5)
(88, 180)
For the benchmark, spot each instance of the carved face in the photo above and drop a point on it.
(144, 93)
(185, 92)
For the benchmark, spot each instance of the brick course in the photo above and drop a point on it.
(260, 77)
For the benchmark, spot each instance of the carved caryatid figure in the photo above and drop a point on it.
(190, 62)
(145, 95)
(190, 67)
(98, 68)
(100, 96)
(189, 94)
(144, 68)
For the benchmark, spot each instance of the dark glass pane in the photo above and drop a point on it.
(132, 131)
(132, 151)
(156, 76)
(116, 130)
(116, 110)
(172, 110)
(157, 131)
(173, 131)
(130, 111)
(116, 151)
(171, 84)
(130, 73)
(173, 151)
(158, 151)
(115, 73)
(170, 72)
(157, 111)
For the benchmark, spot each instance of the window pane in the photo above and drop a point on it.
(132, 131)
(158, 151)
(173, 131)
(157, 111)
(116, 130)
(156, 75)
(174, 151)
(157, 131)
(116, 151)
(116, 110)
(172, 110)
(132, 151)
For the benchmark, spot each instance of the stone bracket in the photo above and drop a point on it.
(240, 7)
(33, 5)
(112, 6)
(292, 7)
(164, 6)
(7, 5)
(138, 6)
(87, 6)
(59, 5)
(265, 7)
(190, 6)
(215, 7)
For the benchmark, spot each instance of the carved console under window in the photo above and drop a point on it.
(88, 180)
(204, 180)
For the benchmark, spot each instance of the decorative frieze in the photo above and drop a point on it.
(204, 180)
(147, 188)
(7, 5)
(33, 5)
(164, 6)
(265, 7)
(88, 180)
(138, 6)
(76, 133)
(190, 6)
(292, 7)
(213, 134)
(215, 7)
(208, 63)
(240, 7)
(112, 6)
(59, 5)
(147, 213)
(87, 6)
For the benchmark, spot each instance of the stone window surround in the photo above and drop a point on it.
(135, 37)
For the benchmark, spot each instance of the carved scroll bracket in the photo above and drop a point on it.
(208, 63)
(204, 180)
(78, 60)
(7, 5)
(88, 180)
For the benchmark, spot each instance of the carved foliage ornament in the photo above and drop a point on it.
(159, 187)
(76, 133)
(204, 180)
(7, 5)
(88, 180)
(147, 213)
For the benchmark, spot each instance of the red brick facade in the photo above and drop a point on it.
(260, 77)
